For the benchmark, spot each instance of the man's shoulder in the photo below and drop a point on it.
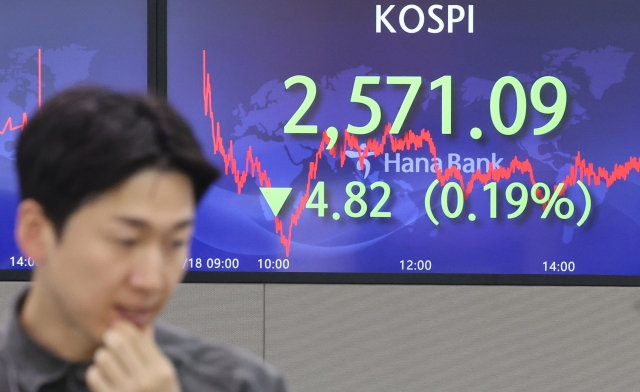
(202, 364)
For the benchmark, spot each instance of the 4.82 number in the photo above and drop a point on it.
(355, 206)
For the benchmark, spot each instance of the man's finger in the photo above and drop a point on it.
(123, 349)
(143, 341)
(96, 381)
(110, 367)
(149, 332)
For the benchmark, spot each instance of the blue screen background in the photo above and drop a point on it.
(81, 42)
(252, 47)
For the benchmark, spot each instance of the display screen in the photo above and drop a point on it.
(48, 46)
(494, 138)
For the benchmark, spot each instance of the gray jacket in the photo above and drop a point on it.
(201, 366)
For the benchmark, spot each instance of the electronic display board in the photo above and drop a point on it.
(48, 46)
(486, 139)
(413, 142)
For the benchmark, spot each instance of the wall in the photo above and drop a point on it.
(417, 338)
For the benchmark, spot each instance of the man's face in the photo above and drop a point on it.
(121, 255)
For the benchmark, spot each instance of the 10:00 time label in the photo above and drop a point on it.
(277, 264)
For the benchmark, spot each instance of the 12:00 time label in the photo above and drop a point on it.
(418, 266)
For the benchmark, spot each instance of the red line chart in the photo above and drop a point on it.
(9, 123)
(580, 170)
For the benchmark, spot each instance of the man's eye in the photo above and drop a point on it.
(177, 244)
(127, 242)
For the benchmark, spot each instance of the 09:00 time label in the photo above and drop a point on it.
(233, 264)
(211, 263)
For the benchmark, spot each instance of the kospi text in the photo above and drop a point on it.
(411, 18)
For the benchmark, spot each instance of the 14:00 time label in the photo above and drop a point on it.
(562, 266)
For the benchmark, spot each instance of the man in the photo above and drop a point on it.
(109, 184)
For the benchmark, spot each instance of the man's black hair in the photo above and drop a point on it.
(85, 141)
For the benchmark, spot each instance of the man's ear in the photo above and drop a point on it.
(34, 233)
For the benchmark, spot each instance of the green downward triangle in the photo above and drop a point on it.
(275, 197)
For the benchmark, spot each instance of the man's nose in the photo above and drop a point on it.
(147, 269)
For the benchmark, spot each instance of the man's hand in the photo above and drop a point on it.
(130, 361)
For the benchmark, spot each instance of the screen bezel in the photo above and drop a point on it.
(157, 30)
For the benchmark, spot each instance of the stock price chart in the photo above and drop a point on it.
(48, 46)
(493, 137)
